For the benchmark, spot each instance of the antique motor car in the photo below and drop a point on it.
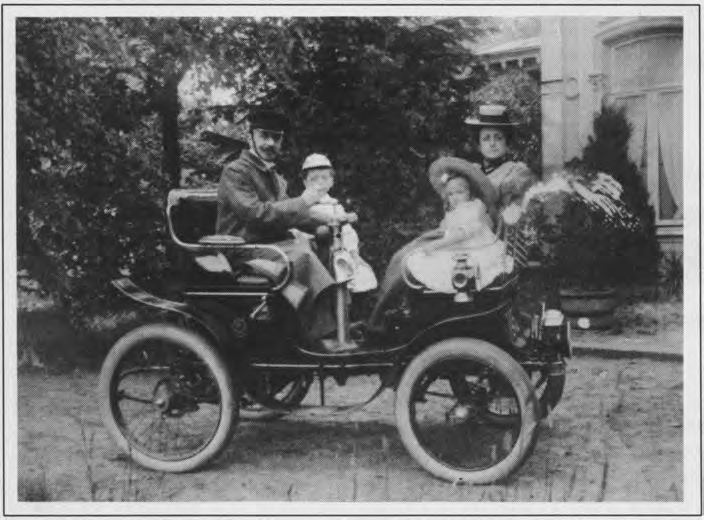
(467, 404)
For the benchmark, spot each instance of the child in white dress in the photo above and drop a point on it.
(317, 172)
(467, 229)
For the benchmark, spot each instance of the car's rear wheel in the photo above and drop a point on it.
(167, 398)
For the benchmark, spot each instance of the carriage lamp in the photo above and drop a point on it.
(463, 276)
(555, 330)
(552, 325)
(553, 318)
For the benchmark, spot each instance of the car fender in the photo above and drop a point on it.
(212, 327)
(474, 325)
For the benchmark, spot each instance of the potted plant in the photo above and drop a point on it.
(589, 241)
(595, 223)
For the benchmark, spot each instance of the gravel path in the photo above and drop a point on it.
(616, 436)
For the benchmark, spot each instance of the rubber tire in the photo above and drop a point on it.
(493, 356)
(548, 400)
(229, 414)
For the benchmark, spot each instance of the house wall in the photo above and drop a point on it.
(568, 95)
(575, 71)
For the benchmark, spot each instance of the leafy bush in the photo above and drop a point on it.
(672, 275)
(595, 232)
(97, 145)
(380, 97)
(90, 190)
(582, 230)
(592, 249)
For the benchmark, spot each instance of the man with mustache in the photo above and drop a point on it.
(253, 204)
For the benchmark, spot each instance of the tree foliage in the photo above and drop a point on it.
(87, 163)
(380, 96)
(97, 143)
(98, 128)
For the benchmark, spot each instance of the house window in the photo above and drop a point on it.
(646, 78)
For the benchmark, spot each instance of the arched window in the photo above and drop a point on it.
(645, 75)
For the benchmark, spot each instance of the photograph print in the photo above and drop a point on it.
(333, 255)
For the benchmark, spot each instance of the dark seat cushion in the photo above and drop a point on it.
(193, 219)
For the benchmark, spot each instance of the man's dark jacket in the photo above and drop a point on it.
(252, 202)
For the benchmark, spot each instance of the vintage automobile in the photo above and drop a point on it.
(468, 402)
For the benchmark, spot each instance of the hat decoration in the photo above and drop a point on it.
(491, 115)
(446, 168)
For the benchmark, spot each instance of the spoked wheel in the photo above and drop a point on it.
(549, 384)
(268, 394)
(447, 430)
(167, 398)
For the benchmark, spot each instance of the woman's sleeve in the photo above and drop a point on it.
(516, 185)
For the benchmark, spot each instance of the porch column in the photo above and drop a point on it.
(551, 93)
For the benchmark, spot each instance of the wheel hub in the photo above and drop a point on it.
(170, 401)
(460, 413)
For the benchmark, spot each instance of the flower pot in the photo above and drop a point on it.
(589, 309)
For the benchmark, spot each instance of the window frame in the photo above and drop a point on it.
(651, 94)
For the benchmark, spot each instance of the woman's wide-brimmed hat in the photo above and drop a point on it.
(446, 168)
(491, 115)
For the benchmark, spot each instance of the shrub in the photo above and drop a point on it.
(607, 151)
(592, 249)
(587, 235)
(672, 275)
(591, 241)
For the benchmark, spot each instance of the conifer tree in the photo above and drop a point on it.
(607, 151)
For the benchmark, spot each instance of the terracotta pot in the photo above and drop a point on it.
(589, 309)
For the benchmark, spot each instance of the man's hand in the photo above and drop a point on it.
(312, 195)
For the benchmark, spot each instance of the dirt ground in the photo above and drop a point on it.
(616, 435)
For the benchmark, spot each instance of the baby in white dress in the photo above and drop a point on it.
(466, 228)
